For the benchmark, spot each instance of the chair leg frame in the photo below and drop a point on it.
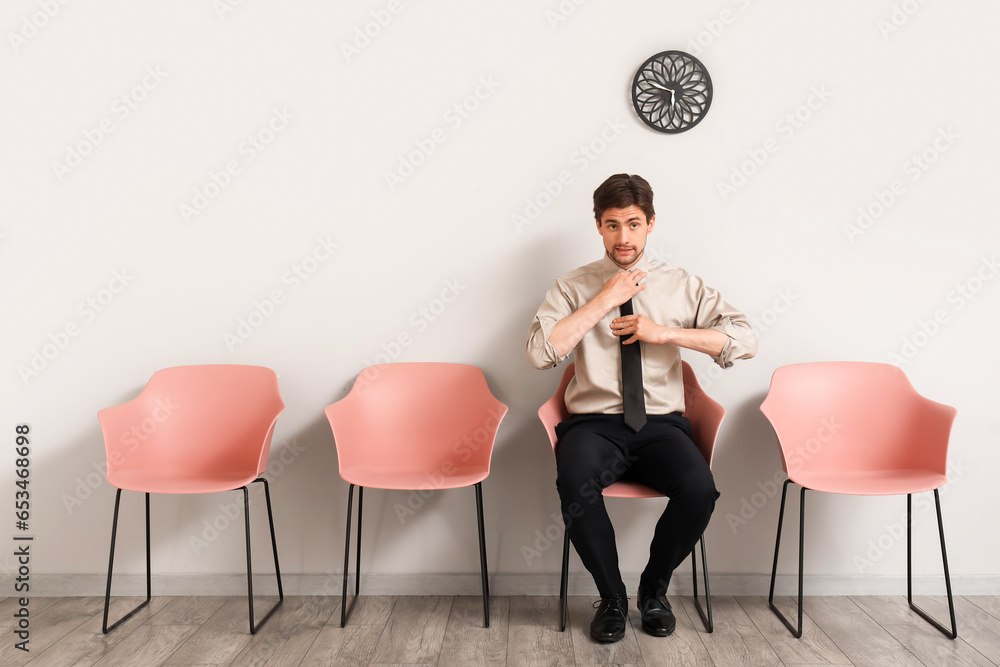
(797, 630)
(564, 583)
(706, 613)
(105, 628)
(953, 633)
(482, 555)
(345, 611)
(274, 548)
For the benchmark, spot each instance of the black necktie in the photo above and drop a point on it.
(633, 404)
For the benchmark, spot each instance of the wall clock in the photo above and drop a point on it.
(672, 92)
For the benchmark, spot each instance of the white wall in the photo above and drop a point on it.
(888, 81)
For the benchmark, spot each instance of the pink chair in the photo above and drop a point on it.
(705, 416)
(193, 429)
(861, 429)
(427, 426)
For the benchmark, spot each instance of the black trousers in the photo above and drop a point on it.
(593, 452)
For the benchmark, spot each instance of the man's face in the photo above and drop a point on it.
(624, 231)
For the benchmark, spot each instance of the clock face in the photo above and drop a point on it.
(672, 91)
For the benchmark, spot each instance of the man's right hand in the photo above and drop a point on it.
(621, 287)
(571, 329)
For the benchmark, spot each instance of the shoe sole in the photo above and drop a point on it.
(609, 640)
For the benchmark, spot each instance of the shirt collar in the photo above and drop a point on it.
(610, 268)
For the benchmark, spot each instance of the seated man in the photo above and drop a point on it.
(628, 395)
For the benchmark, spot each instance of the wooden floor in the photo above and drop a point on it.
(448, 631)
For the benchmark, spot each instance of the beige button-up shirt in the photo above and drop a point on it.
(673, 298)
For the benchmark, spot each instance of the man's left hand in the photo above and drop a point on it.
(639, 327)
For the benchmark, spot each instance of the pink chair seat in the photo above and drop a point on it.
(630, 490)
(178, 481)
(857, 428)
(871, 482)
(384, 477)
(209, 424)
(404, 425)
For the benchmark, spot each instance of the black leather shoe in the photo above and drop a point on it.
(657, 616)
(609, 621)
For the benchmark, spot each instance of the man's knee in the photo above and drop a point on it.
(699, 493)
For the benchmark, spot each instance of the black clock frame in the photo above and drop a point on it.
(688, 82)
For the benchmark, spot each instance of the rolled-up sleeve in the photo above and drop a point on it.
(710, 311)
(557, 305)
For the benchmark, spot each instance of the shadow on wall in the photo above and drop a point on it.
(749, 474)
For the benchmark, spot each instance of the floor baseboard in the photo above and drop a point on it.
(502, 584)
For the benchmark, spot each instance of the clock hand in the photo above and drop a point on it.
(669, 90)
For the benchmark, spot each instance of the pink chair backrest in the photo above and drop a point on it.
(416, 416)
(855, 416)
(195, 421)
(702, 410)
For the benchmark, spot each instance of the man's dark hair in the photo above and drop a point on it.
(622, 191)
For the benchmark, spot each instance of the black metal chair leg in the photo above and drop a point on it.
(482, 555)
(796, 631)
(357, 562)
(344, 609)
(564, 583)
(274, 542)
(706, 618)
(953, 633)
(111, 563)
(274, 546)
